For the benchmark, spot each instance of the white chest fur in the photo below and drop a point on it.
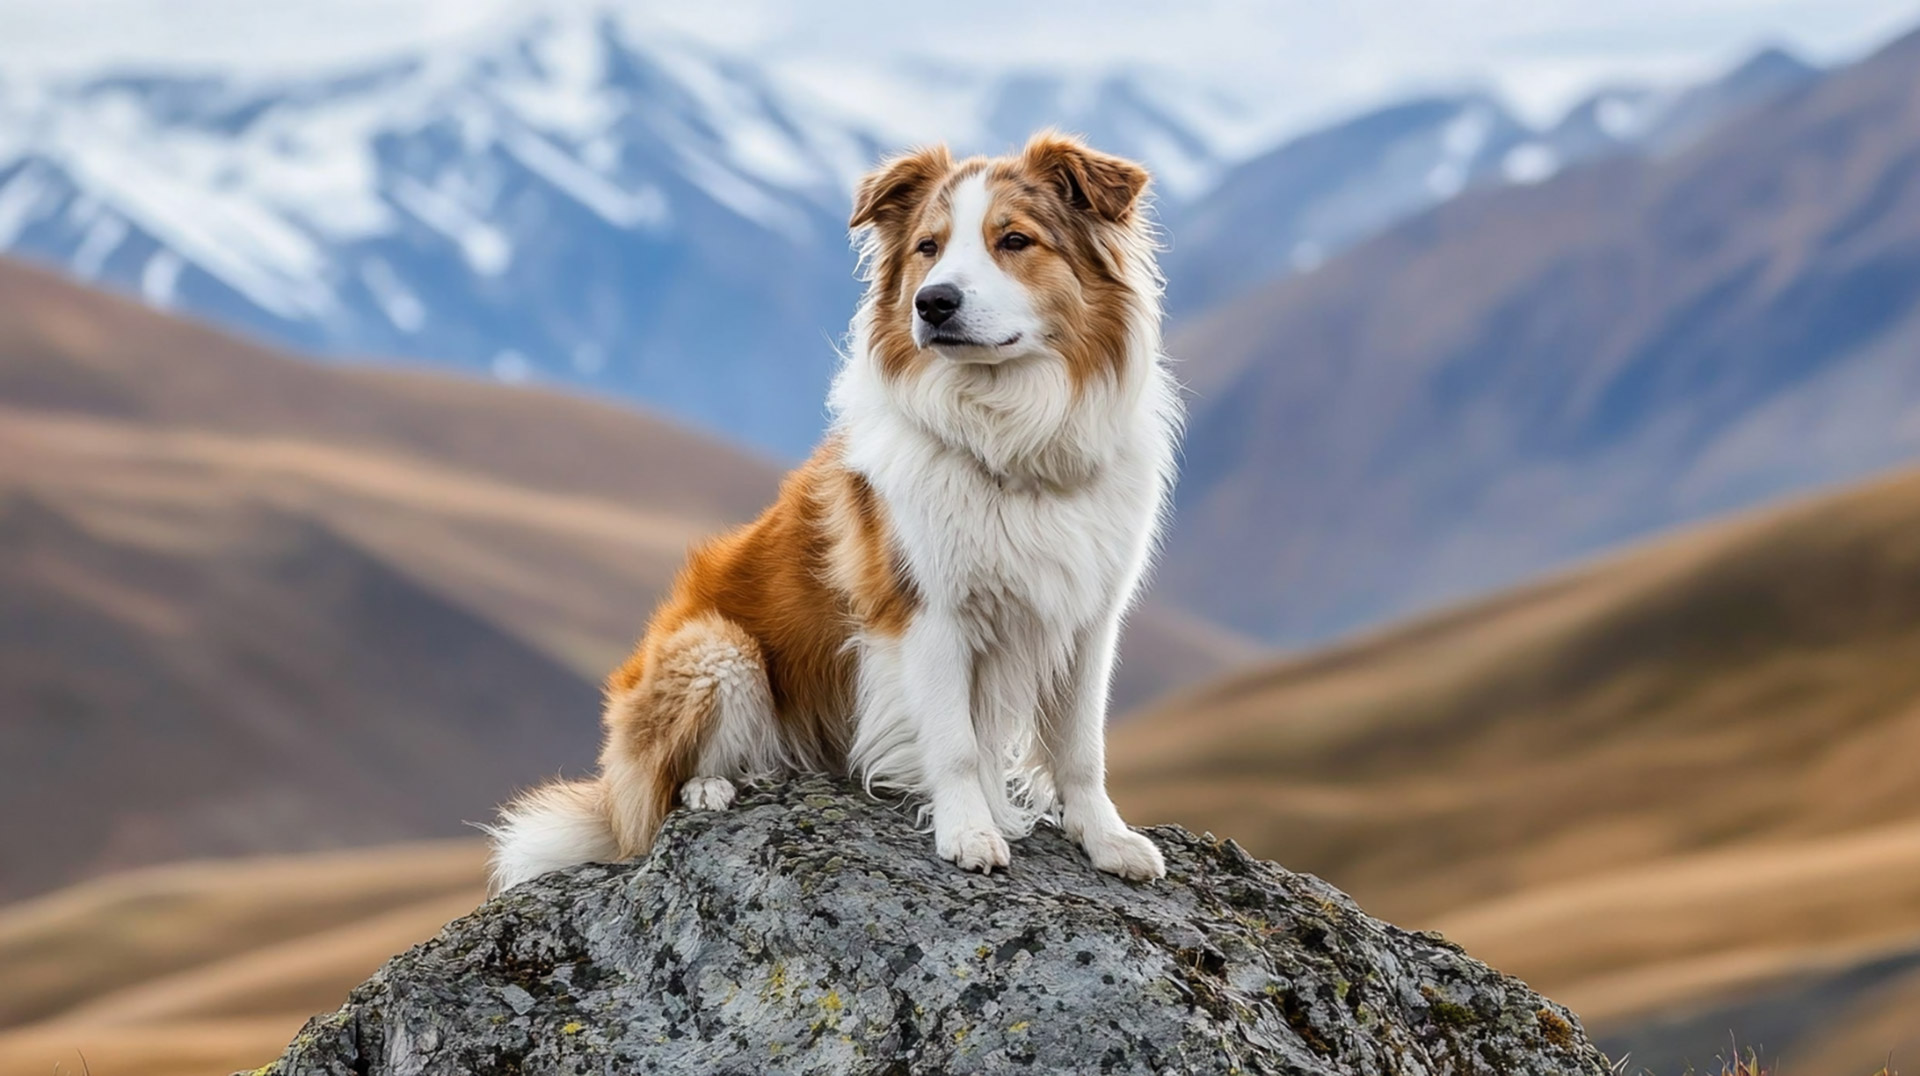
(1021, 507)
(1012, 556)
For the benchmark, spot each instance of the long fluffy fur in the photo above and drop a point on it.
(934, 600)
(553, 826)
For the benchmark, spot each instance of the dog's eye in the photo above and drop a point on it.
(1015, 241)
(928, 247)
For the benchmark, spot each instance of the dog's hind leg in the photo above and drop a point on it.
(698, 717)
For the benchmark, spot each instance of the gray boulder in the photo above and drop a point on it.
(810, 930)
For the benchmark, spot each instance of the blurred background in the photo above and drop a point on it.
(1546, 568)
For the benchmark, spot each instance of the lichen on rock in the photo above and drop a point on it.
(810, 929)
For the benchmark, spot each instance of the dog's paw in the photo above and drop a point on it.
(707, 794)
(975, 849)
(1125, 853)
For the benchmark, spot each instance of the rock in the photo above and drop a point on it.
(809, 929)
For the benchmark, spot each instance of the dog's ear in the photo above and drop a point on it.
(1088, 179)
(888, 193)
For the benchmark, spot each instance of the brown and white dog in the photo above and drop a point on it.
(934, 600)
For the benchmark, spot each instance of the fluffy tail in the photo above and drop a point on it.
(555, 825)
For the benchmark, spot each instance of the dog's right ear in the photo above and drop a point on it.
(889, 192)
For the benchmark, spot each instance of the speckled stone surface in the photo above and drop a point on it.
(810, 930)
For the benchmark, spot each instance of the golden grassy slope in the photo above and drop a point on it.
(1667, 776)
(493, 492)
(209, 967)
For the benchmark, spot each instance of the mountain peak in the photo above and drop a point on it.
(1769, 63)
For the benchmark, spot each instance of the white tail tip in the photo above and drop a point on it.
(553, 826)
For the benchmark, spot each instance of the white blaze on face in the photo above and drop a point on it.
(996, 319)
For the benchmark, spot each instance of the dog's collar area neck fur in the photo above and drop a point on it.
(1060, 461)
(1058, 468)
(1041, 479)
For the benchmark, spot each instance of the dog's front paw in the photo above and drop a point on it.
(707, 793)
(974, 849)
(1125, 853)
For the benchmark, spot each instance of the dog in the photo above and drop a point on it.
(934, 600)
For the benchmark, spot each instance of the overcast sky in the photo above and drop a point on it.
(1304, 59)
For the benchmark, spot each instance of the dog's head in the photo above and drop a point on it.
(1040, 256)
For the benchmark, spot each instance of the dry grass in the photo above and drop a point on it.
(1749, 1063)
(212, 967)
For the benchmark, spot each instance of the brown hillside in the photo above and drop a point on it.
(1663, 777)
(212, 966)
(255, 604)
(71, 349)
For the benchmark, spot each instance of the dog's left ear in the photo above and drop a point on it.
(889, 192)
(1107, 185)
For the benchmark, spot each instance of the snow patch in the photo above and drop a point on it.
(160, 277)
(589, 358)
(1621, 120)
(1175, 169)
(103, 237)
(511, 367)
(1446, 179)
(1529, 162)
(485, 248)
(571, 51)
(173, 195)
(624, 209)
(20, 201)
(743, 197)
(402, 307)
(739, 114)
(1466, 134)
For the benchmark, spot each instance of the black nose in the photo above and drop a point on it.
(937, 302)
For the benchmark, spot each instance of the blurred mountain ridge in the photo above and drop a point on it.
(1288, 210)
(1531, 373)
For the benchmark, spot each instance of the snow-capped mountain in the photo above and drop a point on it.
(581, 201)
(571, 204)
(576, 202)
(1288, 210)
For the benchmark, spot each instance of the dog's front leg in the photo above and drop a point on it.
(937, 666)
(1074, 739)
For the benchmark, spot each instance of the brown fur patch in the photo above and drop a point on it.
(655, 726)
(788, 590)
(865, 563)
